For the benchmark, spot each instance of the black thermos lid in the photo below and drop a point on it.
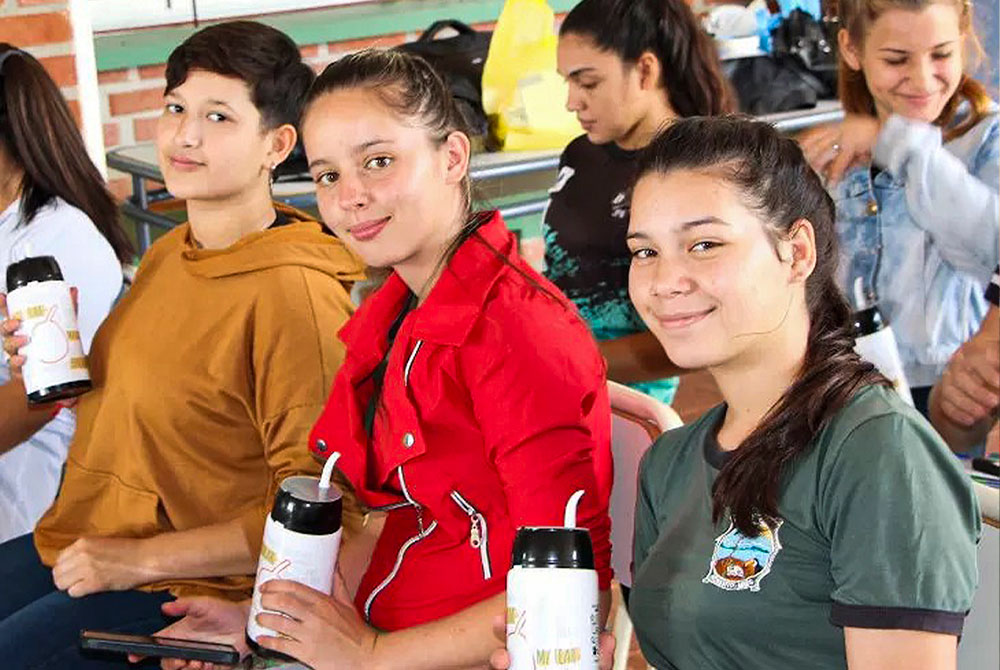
(33, 268)
(553, 547)
(302, 507)
(867, 321)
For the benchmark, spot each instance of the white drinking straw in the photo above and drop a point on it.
(324, 479)
(569, 518)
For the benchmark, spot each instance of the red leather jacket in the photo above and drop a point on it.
(494, 410)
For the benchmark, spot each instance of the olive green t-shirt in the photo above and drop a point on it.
(878, 529)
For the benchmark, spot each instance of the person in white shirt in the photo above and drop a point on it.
(53, 202)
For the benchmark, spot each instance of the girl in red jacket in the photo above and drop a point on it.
(472, 400)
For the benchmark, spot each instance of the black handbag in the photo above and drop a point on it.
(459, 60)
(800, 70)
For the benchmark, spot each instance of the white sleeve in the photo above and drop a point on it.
(958, 207)
(87, 261)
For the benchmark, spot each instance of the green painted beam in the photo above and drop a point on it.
(152, 46)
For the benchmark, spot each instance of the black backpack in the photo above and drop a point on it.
(459, 60)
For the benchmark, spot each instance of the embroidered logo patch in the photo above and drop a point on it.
(740, 563)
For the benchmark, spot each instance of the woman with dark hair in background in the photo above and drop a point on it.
(632, 66)
(53, 202)
(207, 375)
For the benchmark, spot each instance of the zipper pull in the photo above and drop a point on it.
(475, 537)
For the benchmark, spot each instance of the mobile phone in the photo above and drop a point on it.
(159, 647)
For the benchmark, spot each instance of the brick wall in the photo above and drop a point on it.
(42, 28)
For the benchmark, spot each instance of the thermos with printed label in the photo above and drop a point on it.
(552, 600)
(876, 343)
(301, 542)
(55, 367)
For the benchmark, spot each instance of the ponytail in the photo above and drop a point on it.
(690, 66)
(832, 372)
(39, 134)
(777, 183)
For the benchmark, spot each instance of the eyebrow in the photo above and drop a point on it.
(581, 71)
(365, 146)
(694, 223)
(687, 225)
(904, 51)
(359, 149)
(222, 103)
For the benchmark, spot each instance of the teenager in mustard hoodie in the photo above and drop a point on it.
(207, 376)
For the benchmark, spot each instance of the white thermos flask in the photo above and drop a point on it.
(301, 542)
(552, 601)
(876, 343)
(55, 366)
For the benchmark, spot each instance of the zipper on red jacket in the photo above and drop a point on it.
(421, 534)
(479, 536)
(395, 568)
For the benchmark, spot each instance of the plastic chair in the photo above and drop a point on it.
(636, 421)
(979, 646)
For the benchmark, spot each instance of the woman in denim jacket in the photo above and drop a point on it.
(913, 169)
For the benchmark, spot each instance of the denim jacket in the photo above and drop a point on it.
(923, 236)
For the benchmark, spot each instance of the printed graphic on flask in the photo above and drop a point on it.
(54, 353)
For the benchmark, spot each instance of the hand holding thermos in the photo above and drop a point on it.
(40, 331)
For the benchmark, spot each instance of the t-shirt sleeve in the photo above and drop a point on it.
(903, 525)
(993, 290)
(86, 259)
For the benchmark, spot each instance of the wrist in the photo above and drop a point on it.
(147, 558)
(378, 658)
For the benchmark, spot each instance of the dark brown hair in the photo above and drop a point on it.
(857, 16)
(692, 73)
(266, 59)
(39, 134)
(777, 183)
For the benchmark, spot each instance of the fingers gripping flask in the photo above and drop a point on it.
(553, 610)
(301, 542)
(55, 366)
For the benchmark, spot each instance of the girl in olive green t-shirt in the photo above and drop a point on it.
(813, 520)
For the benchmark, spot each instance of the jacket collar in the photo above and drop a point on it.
(452, 307)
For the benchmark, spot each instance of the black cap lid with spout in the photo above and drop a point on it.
(33, 268)
(553, 547)
(868, 321)
(302, 506)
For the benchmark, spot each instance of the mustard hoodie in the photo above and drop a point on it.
(207, 377)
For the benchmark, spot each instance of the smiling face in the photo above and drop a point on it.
(706, 276)
(605, 93)
(911, 60)
(383, 185)
(210, 141)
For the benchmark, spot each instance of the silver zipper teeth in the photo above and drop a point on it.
(409, 362)
(395, 569)
(389, 508)
(484, 543)
(406, 494)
